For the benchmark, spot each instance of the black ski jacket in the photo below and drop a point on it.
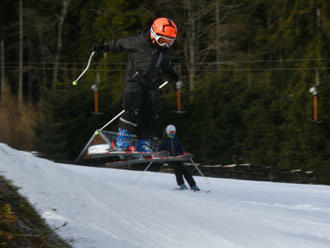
(172, 145)
(146, 61)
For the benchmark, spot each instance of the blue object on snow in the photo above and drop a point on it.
(195, 188)
(183, 187)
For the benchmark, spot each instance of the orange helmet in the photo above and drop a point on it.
(163, 31)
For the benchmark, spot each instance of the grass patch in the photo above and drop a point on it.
(21, 225)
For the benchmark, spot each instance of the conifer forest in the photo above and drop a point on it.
(255, 77)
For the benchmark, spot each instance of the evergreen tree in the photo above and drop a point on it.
(247, 67)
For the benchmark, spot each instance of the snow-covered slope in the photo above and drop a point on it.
(104, 209)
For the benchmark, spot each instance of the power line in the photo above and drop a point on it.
(60, 69)
(198, 63)
(271, 69)
(184, 70)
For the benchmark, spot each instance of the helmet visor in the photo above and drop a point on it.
(162, 40)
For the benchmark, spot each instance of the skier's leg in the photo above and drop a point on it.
(133, 104)
(149, 120)
(187, 175)
(178, 173)
(131, 119)
(189, 178)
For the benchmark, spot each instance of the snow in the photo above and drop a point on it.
(104, 208)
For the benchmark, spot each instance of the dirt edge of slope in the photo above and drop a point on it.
(21, 225)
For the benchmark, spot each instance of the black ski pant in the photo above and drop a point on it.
(181, 171)
(141, 105)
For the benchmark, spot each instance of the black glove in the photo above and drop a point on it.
(100, 46)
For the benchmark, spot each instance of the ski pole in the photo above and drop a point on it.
(84, 149)
(123, 111)
(141, 175)
(199, 171)
(75, 82)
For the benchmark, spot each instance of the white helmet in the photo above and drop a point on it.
(170, 130)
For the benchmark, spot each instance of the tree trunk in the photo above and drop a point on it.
(20, 69)
(217, 38)
(191, 49)
(2, 70)
(65, 4)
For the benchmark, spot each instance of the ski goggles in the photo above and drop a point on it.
(162, 40)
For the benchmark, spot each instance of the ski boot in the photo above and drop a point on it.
(182, 187)
(195, 188)
(143, 145)
(123, 141)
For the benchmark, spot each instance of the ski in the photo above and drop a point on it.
(151, 157)
(205, 190)
(179, 189)
(201, 190)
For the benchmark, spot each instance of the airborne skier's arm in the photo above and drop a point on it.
(122, 45)
(117, 45)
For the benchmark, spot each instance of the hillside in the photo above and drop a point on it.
(103, 208)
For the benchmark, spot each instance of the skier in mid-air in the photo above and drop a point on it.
(148, 59)
(173, 145)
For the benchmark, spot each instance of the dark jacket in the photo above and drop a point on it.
(172, 145)
(146, 61)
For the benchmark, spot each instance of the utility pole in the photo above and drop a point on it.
(314, 90)
(95, 88)
(317, 83)
(20, 69)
